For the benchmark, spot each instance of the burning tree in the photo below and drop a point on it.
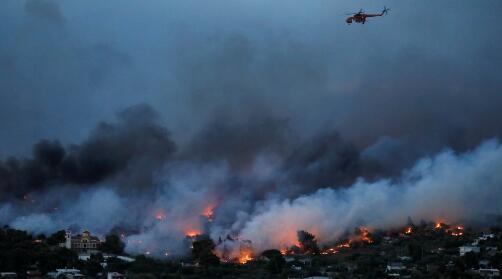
(364, 235)
(308, 242)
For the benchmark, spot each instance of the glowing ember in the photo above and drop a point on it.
(364, 234)
(160, 215)
(329, 251)
(344, 245)
(192, 233)
(458, 231)
(208, 212)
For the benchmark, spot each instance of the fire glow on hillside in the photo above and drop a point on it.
(233, 249)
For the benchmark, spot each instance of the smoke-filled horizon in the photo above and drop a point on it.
(143, 118)
(129, 177)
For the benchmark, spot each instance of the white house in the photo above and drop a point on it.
(489, 272)
(67, 272)
(8, 275)
(467, 249)
(115, 275)
(395, 267)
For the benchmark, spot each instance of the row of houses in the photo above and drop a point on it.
(72, 273)
(60, 273)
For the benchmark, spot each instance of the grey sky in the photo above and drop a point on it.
(250, 107)
(65, 65)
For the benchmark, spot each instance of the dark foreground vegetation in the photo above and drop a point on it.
(415, 251)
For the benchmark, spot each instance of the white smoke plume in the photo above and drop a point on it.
(445, 187)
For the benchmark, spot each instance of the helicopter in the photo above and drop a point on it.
(360, 17)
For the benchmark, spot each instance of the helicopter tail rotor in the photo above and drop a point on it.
(385, 10)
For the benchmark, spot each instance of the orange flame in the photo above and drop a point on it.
(208, 212)
(458, 231)
(245, 253)
(345, 244)
(408, 230)
(192, 233)
(330, 251)
(243, 259)
(365, 235)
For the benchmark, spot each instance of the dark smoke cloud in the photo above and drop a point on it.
(266, 105)
(135, 144)
(328, 160)
(239, 142)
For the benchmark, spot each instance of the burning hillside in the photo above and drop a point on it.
(234, 249)
(238, 251)
(244, 210)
